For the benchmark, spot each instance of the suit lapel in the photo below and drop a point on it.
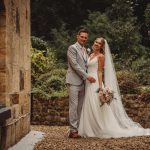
(80, 52)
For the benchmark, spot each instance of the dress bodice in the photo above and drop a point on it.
(92, 65)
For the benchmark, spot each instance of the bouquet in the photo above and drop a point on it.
(106, 95)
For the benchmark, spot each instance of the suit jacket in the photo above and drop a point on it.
(77, 65)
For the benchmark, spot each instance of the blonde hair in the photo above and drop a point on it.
(102, 50)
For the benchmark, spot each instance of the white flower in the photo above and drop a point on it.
(88, 50)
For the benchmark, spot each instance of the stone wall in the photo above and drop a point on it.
(49, 112)
(15, 68)
(138, 108)
(55, 112)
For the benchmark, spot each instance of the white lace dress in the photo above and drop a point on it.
(99, 121)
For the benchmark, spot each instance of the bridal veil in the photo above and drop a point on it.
(110, 80)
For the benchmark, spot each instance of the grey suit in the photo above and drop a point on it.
(75, 77)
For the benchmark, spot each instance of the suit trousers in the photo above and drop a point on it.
(76, 98)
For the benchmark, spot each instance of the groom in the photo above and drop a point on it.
(75, 79)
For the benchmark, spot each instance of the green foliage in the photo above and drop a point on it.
(49, 86)
(48, 81)
(38, 43)
(98, 25)
(142, 67)
(124, 38)
(62, 40)
(40, 63)
(144, 89)
(55, 82)
(118, 26)
(114, 20)
(121, 10)
(128, 82)
(147, 13)
(44, 16)
(49, 14)
(124, 32)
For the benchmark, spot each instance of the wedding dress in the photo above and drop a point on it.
(108, 120)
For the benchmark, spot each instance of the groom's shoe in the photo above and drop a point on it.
(74, 135)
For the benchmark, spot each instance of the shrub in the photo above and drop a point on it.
(144, 89)
(48, 78)
(128, 82)
(40, 64)
(55, 82)
(38, 43)
(51, 85)
(142, 67)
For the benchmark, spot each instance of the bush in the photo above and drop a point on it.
(63, 38)
(38, 43)
(144, 89)
(50, 86)
(55, 82)
(128, 82)
(48, 78)
(141, 67)
(40, 64)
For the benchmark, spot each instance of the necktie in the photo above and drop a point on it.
(83, 53)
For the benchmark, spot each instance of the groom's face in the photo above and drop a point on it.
(82, 38)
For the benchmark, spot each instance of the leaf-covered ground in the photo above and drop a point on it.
(56, 139)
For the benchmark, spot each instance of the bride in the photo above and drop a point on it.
(105, 121)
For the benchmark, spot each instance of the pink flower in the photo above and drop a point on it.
(106, 95)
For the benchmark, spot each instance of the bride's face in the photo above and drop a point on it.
(98, 44)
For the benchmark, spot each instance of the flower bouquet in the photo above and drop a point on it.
(106, 95)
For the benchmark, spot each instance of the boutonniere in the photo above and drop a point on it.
(88, 51)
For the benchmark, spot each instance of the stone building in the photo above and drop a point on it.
(15, 69)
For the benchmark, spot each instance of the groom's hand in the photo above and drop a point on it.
(91, 79)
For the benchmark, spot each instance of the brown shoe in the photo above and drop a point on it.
(74, 135)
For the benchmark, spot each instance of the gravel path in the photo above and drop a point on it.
(56, 139)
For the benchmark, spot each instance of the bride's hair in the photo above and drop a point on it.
(103, 44)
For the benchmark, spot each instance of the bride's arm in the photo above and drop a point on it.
(101, 60)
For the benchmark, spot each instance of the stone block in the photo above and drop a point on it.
(15, 110)
(21, 127)
(3, 20)
(24, 101)
(27, 78)
(3, 38)
(3, 77)
(13, 134)
(26, 108)
(21, 82)
(26, 124)
(3, 51)
(2, 62)
(2, 98)
(14, 98)
(18, 131)
(2, 87)
(15, 79)
(8, 136)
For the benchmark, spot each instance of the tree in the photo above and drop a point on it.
(49, 14)
(139, 7)
(145, 27)
(98, 24)
(124, 32)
